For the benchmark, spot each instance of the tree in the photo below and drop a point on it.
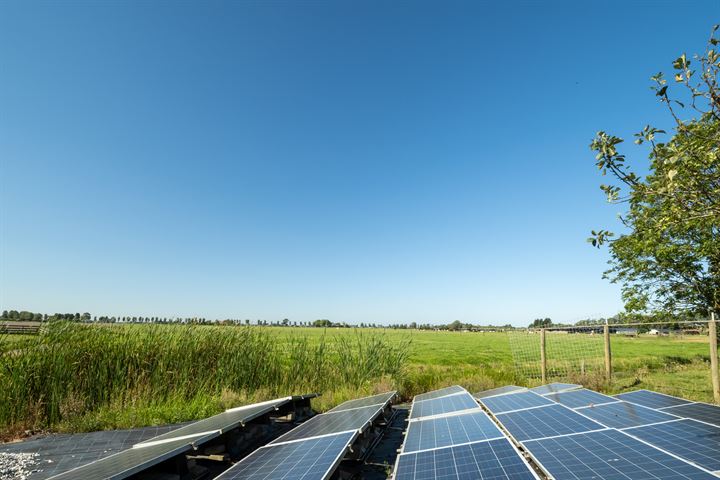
(669, 258)
(323, 323)
(541, 323)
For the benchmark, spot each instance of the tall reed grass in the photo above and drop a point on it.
(73, 370)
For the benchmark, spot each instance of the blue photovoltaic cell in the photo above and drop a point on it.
(545, 422)
(580, 398)
(515, 401)
(492, 460)
(554, 388)
(59, 453)
(450, 430)
(443, 392)
(334, 422)
(222, 422)
(698, 411)
(379, 399)
(649, 399)
(689, 439)
(128, 462)
(451, 403)
(311, 459)
(609, 455)
(499, 391)
(623, 415)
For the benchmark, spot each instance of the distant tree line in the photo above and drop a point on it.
(14, 315)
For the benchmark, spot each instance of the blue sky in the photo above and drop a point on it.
(358, 161)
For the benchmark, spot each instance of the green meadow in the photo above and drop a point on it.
(76, 377)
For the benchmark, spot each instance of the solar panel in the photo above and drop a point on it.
(437, 406)
(689, 439)
(379, 399)
(580, 398)
(221, 423)
(499, 391)
(450, 430)
(59, 453)
(439, 393)
(698, 411)
(609, 455)
(623, 415)
(545, 422)
(128, 462)
(491, 460)
(649, 399)
(310, 459)
(554, 388)
(516, 401)
(355, 419)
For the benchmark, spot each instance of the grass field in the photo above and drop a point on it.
(85, 377)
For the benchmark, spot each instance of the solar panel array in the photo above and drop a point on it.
(128, 462)
(697, 411)
(650, 399)
(381, 398)
(450, 437)
(443, 392)
(550, 421)
(638, 435)
(58, 453)
(334, 422)
(555, 388)
(514, 401)
(609, 454)
(498, 391)
(696, 441)
(623, 415)
(157, 449)
(311, 459)
(438, 406)
(448, 430)
(580, 398)
(314, 449)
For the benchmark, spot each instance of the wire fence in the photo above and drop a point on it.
(671, 357)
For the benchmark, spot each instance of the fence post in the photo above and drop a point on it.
(712, 331)
(543, 357)
(608, 353)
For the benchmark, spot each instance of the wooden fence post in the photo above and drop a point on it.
(608, 353)
(543, 357)
(714, 371)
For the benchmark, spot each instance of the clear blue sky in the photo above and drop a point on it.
(358, 161)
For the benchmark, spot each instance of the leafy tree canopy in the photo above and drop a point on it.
(668, 259)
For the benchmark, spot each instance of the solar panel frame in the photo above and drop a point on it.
(516, 401)
(443, 405)
(335, 422)
(703, 412)
(554, 388)
(508, 389)
(548, 421)
(379, 399)
(127, 462)
(449, 430)
(650, 399)
(442, 392)
(489, 460)
(580, 398)
(283, 461)
(223, 422)
(604, 454)
(694, 441)
(624, 415)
